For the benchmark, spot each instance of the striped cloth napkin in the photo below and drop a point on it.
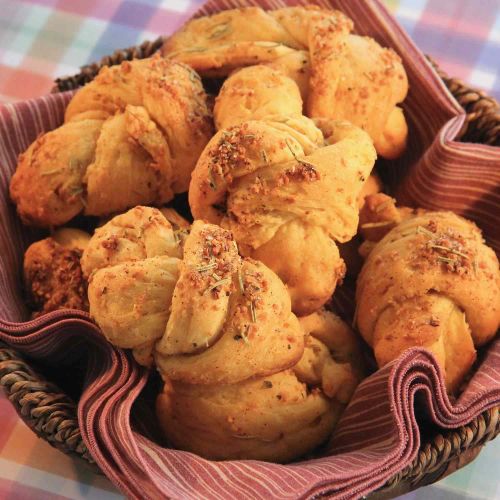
(378, 434)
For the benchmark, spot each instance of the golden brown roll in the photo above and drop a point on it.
(354, 78)
(215, 45)
(286, 190)
(277, 417)
(430, 282)
(140, 125)
(52, 274)
(219, 329)
(341, 76)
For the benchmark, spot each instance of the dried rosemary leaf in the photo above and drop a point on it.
(240, 281)
(252, 311)
(422, 230)
(206, 267)
(446, 260)
(51, 172)
(449, 250)
(264, 156)
(222, 282)
(244, 334)
(211, 180)
(220, 31)
(376, 224)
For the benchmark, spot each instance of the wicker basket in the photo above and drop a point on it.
(51, 414)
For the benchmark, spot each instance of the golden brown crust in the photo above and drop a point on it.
(341, 76)
(354, 78)
(277, 417)
(47, 184)
(285, 198)
(140, 125)
(272, 418)
(216, 45)
(429, 282)
(52, 273)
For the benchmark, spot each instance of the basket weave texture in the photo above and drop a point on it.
(52, 415)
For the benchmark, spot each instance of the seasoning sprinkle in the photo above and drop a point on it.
(267, 384)
(264, 156)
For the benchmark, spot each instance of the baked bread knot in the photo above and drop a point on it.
(216, 45)
(341, 75)
(286, 188)
(277, 417)
(219, 328)
(53, 277)
(140, 125)
(430, 282)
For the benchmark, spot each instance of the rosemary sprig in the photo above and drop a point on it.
(240, 282)
(76, 190)
(422, 230)
(367, 225)
(211, 180)
(449, 250)
(447, 260)
(181, 51)
(220, 31)
(252, 312)
(217, 284)
(244, 334)
(206, 267)
(297, 159)
(264, 156)
(51, 172)
(265, 45)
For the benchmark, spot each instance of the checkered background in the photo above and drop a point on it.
(43, 39)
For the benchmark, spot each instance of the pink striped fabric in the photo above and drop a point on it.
(378, 434)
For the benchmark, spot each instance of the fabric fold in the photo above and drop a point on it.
(378, 434)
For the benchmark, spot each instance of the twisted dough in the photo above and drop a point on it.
(341, 76)
(431, 282)
(277, 417)
(52, 272)
(222, 334)
(286, 193)
(140, 125)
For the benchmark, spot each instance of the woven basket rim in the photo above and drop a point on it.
(481, 125)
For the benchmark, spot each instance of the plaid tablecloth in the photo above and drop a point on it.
(42, 39)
